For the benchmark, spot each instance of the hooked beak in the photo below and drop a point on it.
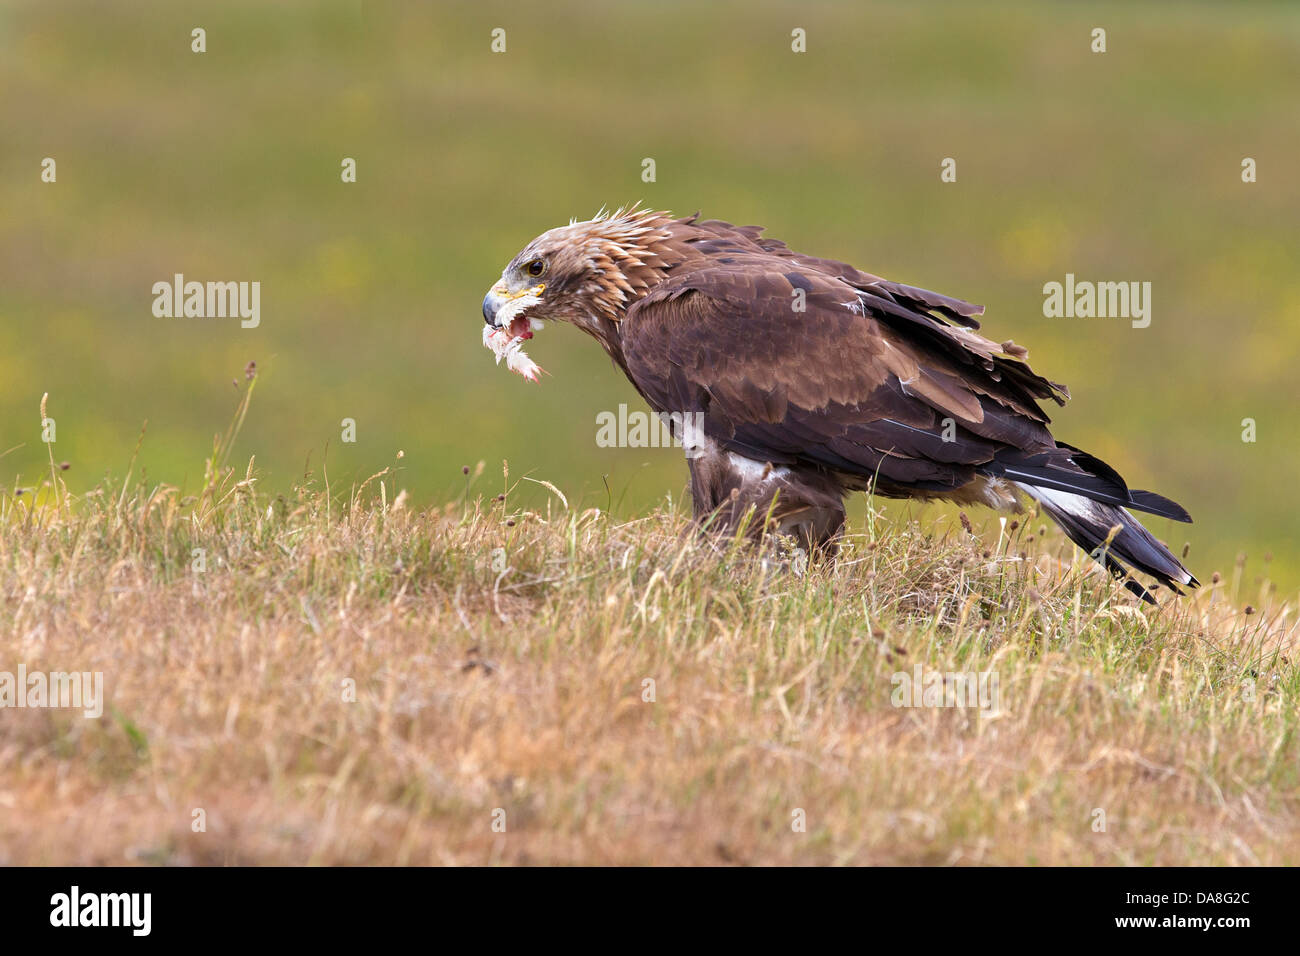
(503, 308)
(492, 303)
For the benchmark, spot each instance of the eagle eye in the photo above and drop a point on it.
(535, 267)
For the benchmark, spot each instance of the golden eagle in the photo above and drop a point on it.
(810, 379)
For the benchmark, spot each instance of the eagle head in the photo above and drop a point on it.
(587, 273)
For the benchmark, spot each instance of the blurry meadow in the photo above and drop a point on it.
(226, 166)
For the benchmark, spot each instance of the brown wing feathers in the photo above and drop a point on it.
(874, 378)
(872, 382)
(833, 385)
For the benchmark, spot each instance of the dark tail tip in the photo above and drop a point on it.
(1089, 525)
(1156, 504)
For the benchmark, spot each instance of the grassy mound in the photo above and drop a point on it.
(325, 678)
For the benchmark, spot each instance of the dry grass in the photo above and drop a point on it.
(478, 690)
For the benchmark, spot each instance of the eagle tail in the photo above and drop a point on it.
(1113, 537)
(1066, 468)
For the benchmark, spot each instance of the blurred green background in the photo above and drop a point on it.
(225, 166)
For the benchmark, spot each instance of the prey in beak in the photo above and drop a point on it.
(508, 327)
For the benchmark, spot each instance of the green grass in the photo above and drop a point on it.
(226, 166)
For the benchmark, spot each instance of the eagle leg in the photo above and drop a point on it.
(731, 491)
